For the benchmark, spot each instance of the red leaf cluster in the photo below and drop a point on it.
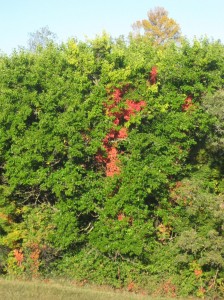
(198, 272)
(117, 95)
(112, 167)
(131, 286)
(153, 75)
(121, 115)
(120, 216)
(187, 103)
(19, 256)
(133, 107)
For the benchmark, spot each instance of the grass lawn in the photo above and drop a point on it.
(33, 290)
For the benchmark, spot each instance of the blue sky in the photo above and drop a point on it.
(86, 18)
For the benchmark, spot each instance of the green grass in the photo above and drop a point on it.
(36, 290)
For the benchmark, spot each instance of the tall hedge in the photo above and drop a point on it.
(109, 171)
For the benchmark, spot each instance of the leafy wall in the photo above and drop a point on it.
(111, 169)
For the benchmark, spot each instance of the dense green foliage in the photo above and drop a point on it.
(157, 224)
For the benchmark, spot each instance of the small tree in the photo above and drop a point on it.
(159, 26)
